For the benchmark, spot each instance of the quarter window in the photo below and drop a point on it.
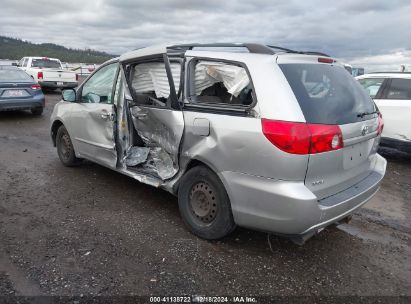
(399, 89)
(99, 88)
(220, 83)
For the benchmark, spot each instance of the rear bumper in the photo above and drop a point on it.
(54, 85)
(290, 208)
(22, 104)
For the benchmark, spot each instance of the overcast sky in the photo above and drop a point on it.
(375, 34)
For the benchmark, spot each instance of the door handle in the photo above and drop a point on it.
(107, 115)
(140, 115)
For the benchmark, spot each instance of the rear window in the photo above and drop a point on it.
(45, 63)
(11, 75)
(327, 94)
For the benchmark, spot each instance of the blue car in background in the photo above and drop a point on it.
(19, 91)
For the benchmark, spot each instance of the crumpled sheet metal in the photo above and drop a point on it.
(136, 156)
(234, 78)
(152, 76)
(154, 159)
(161, 163)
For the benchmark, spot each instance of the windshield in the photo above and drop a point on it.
(327, 94)
(46, 63)
(12, 75)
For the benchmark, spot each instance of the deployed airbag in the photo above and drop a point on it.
(234, 78)
(152, 76)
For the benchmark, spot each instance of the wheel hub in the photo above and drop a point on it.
(65, 146)
(203, 202)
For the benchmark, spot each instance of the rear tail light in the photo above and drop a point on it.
(76, 77)
(39, 75)
(380, 124)
(291, 137)
(302, 138)
(35, 87)
(325, 138)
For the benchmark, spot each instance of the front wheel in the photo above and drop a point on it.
(204, 204)
(65, 148)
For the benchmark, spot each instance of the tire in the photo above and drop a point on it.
(37, 111)
(204, 204)
(65, 148)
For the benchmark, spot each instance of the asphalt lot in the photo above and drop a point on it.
(91, 231)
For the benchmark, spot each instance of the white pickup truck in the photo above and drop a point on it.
(48, 72)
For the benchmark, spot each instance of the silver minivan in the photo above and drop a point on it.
(244, 134)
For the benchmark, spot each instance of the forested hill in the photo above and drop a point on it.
(12, 48)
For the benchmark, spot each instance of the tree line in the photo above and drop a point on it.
(15, 49)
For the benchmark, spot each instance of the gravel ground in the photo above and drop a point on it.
(91, 231)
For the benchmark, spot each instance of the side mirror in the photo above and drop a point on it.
(69, 95)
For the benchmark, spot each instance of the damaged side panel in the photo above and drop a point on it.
(155, 128)
(161, 131)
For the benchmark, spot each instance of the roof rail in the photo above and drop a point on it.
(251, 47)
(255, 48)
(282, 49)
(316, 53)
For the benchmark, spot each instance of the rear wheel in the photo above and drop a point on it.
(204, 204)
(37, 111)
(65, 148)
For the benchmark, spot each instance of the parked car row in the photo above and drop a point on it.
(21, 88)
(268, 138)
(48, 72)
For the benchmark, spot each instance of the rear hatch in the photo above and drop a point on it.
(15, 90)
(58, 75)
(52, 70)
(329, 95)
(16, 84)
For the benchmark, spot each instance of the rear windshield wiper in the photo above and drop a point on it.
(361, 115)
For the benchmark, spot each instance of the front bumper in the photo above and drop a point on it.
(55, 85)
(290, 208)
(11, 104)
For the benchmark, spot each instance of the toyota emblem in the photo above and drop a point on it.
(364, 130)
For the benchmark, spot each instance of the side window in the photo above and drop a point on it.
(99, 88)
(399, 89)
(371, 85)
(150, 84)
(220, 83)
(21, 62)
(25, 62)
